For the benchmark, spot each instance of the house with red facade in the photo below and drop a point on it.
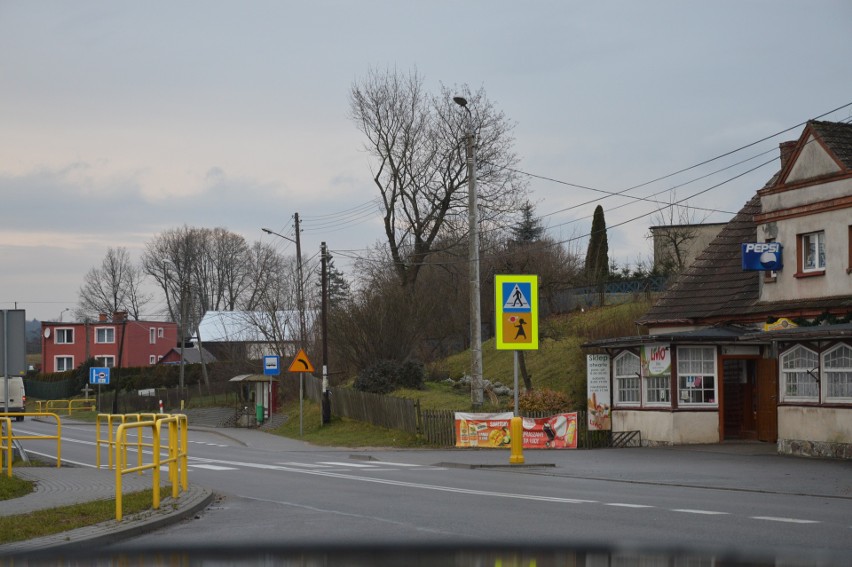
(112, 341)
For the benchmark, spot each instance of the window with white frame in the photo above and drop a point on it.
(657, 389)
(813, 252)
(799, 375)
(105, 361)
(627, 379)
(837, 373)
(696, 375)
(152, 335)
(63, 363)
(152, 359)
(63, 336)
(160, 333)
(104, 335)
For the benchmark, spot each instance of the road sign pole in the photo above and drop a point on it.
(301, 402)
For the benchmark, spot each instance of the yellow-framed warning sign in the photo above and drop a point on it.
(516, 304)
(301, 363)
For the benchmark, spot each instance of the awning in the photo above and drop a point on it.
(710, 335)
(252, 378)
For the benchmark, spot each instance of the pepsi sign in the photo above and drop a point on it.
(762, 256)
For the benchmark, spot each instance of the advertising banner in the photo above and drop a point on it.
(598, 393)
(492, 430)
(656, 360)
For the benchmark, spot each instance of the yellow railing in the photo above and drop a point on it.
(58, 436)
(6, 444)
(176, 460)
(69, 406)
(120, 418)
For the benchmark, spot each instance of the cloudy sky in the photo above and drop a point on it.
(121, 119)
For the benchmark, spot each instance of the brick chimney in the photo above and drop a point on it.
(786, 151)
(102, 317)
(119, 316)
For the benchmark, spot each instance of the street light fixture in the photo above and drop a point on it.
(473, 223)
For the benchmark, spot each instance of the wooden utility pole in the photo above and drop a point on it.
(326, 401)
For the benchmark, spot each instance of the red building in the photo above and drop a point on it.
(65, 346)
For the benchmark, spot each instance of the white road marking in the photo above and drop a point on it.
(705, 512)
(622, 505)
(785, 520)
(355, 465)
(212, 467)
(307, 465)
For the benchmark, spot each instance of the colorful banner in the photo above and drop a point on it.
(493, 430)
(656, 360)
(598, 393)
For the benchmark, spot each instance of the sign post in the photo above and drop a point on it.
(516, 303)
(301, 364)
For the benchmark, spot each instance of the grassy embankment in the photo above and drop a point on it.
(559, 364)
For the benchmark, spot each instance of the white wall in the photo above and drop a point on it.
(831, 425)
(669, 428)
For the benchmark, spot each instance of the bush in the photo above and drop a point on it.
(544, 400)
(412, 374)
(379, 378)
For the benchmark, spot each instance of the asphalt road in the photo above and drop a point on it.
(708, 499)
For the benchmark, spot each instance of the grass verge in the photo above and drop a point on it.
(341, 432)
(55, 520)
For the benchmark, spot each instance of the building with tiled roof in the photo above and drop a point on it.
(753, 341)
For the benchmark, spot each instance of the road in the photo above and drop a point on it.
(276, 491)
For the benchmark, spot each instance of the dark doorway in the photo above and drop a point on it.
(740, 383)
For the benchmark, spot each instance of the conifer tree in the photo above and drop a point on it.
(597, 255)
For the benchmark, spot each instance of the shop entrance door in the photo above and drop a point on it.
(767, 400)
(740, 418)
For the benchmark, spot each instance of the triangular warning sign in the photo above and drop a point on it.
(517, 299)
(301, 363)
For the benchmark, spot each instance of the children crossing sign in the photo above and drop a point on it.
(517, 312)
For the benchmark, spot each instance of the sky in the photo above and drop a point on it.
(122, 119)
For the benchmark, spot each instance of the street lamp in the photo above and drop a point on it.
(475, 313)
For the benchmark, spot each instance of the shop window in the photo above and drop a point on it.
(799, 375)
(63, 336)
(811, 256)
(63, 363)
(627, 379)
(657, 389)
(696, 374)
(837, 373)
(104, 335)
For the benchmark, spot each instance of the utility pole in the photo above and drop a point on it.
(476, 394)
(326, 402)
(300, 288)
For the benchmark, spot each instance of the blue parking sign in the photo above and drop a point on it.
(98, 375)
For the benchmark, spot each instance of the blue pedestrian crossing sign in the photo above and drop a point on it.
(517, 312)
(98, 375)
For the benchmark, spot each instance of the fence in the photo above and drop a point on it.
(436, 426)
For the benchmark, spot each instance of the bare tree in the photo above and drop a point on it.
(416, 142)
(676, 228)
(114, 286)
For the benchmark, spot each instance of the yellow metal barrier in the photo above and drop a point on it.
(120, 418)
(58, 435)
(69, 406)
(176, 460)
(6, 445)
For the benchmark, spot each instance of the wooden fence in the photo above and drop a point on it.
(436, 426)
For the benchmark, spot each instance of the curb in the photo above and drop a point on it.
(195, 499)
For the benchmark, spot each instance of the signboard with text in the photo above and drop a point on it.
(762, 256)
(598, 392)
(493, 430)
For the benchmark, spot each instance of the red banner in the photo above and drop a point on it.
(493, 430)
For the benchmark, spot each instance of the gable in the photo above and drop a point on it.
(813, 160)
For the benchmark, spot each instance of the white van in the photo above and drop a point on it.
(17, 397)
